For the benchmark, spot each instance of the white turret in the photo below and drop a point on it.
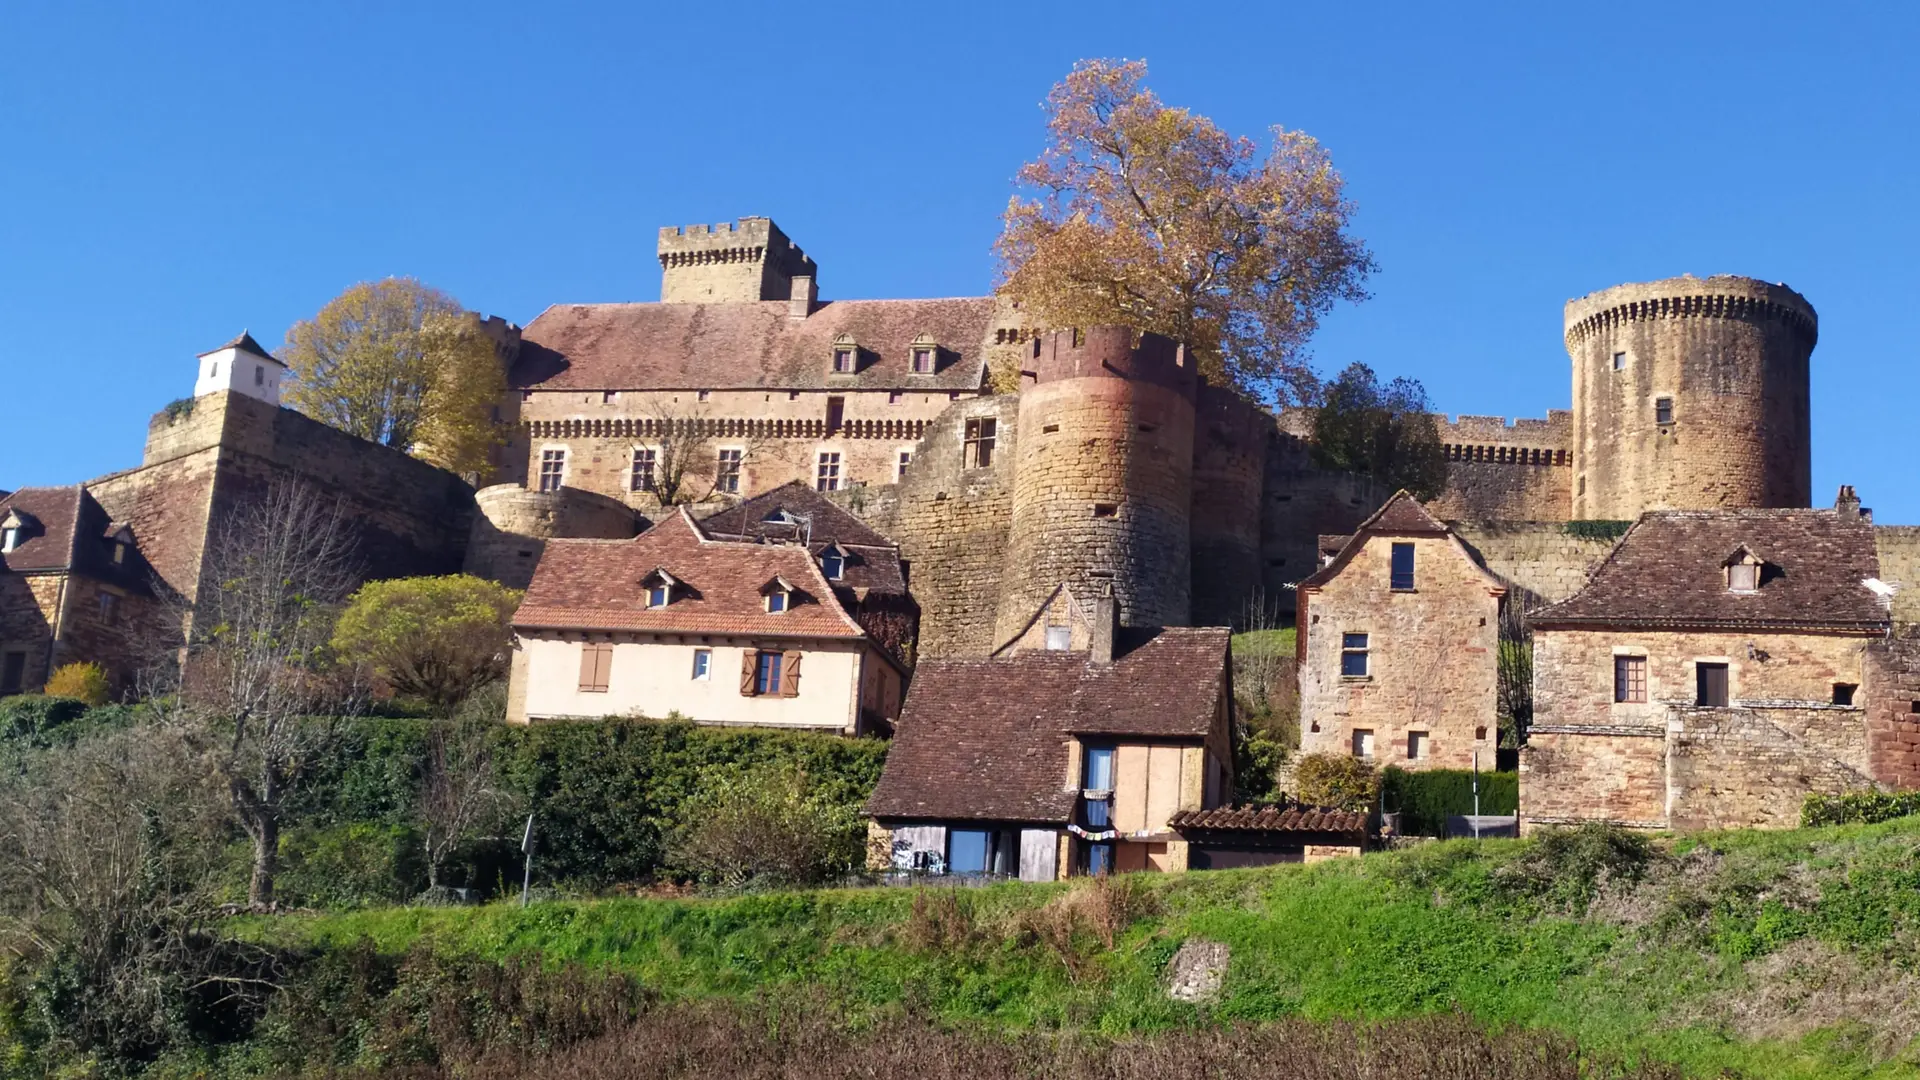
(243, 367)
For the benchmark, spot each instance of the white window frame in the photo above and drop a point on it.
(739, 471)
(702, 665)
(653, 467)
(821, 462)
(566, 463)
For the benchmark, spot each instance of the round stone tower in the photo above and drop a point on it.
(514, 524)
(1102, 477)
(1690, 394)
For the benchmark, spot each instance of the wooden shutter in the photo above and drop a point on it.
(596, 664)
(790, 675)
(749, 664)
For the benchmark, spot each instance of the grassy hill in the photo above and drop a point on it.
(1788, 954)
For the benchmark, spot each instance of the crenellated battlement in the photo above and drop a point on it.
(1110, 352)
(743, 261)
(1722, 296)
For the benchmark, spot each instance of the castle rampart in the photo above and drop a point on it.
(748, 260)
(513, 525)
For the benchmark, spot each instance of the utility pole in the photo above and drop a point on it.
(1476, 794)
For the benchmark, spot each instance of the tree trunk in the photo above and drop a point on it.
(266, 860)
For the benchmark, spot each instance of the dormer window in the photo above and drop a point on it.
(1743, 571)
(924, 355)
(833, 563)
(660, 588)
(779, 595)
(13, 531)
(9, 539)
(846, 355)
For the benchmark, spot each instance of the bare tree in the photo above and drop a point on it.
(687, 442)
(109, 851)
(459, 788)
(255, 682)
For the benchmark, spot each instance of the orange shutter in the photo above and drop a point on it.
(790, 675)
(749, 661)
(605, 668)
(596, 664)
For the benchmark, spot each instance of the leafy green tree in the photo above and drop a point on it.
(765, 826)
(400, 363)
(1387, 432)
(1150, 216)
(435, 638)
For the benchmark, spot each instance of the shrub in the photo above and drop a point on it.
(435, 638)
(1859, 808)
(1426, 799)
(765, 827)
(34, 717)
(350, 866)
(84, 682)
(1335, 781)
(1566, 868)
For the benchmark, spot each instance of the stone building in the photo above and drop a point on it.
(1713, 672)
(73, 588)
(205, 457)
(1398, 646)
(675, 621)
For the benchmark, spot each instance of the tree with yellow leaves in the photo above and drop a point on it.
(400, 363)
(1146, 215)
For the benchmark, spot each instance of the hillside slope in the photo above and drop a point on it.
(1771, 954)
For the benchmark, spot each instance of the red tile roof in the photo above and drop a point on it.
(596, 585)
(1669, 570)
(751, 344)
(873, 561)
(1270, 819)
(986, 739)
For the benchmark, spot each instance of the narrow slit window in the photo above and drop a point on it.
(1619, 361)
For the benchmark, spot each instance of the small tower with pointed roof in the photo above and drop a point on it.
(242, 366)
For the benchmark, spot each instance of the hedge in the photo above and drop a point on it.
(1860, 808)
(604, 793)
(1426, 799)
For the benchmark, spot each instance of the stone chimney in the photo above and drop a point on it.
(1106, 621)
(805, 292)
(1847, 504)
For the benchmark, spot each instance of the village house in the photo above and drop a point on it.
(675, 622)
(1712, 673)
(1078, 748)
(73, 588)
(1398, 645)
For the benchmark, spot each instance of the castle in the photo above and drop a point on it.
(1006, 460)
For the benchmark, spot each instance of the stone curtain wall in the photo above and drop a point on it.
(951, 524)
(1898, 548)
(1541, 562)
(1298, 503)
(1732, 354)
(1496, 469)
(1432, 658)
(1229, 470)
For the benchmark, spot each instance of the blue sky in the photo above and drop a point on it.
(170, 174)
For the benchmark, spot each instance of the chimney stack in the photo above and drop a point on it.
(1106, 620)
(800, 301)
(1847, 504)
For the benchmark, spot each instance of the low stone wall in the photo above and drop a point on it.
(1612, 774)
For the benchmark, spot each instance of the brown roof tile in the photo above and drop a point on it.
(750, 344)
(985, 739)
(873, 561)
(596, 585)
(52, 519)
(1270, 819)
(1669, 570)
(1402, 515)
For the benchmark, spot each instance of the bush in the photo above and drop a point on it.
(1426, 799)
(1566, 868)
(85, 682)
(765, 827)
(1860, 808)
(349, 866)
(434, 638)
(1336, 782)
(36, 716)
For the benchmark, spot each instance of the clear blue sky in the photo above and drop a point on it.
(172, 173)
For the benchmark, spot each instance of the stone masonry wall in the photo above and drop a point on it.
(1102, 486)
(1898, 548)
(1229, 470)
(513, 524)
(1432, 657)
(1731, 355)
(1496, 469)
(29, 611)
(951, 523)
(1541, 562)
(1893, 713)
(1299, 503)
(1753, 768)
(1571, 774)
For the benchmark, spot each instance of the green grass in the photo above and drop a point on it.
(1264, 642)
(1448, 926)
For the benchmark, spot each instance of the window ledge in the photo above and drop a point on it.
(1356, 678)
(1406, 590)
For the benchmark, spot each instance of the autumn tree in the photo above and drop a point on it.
(435, 638)
(686, 442)
(1149, 216)
(460, 785)
(1387, 432)
(402, 364)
